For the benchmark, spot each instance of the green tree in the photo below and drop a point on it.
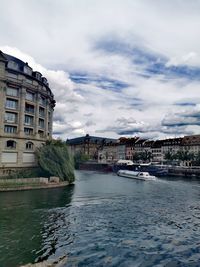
(169, 156)
(145, 156)
(80, 158)
(184, 155)
(55, 159)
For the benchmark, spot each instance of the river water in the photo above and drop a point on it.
(103, 220)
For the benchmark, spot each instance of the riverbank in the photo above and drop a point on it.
(174, 171)
(30, 184)
(95, 166)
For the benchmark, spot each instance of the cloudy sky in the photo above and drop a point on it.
(116, 67)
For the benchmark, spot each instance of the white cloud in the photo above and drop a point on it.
(61, 37)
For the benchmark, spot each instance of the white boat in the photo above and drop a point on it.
(136, 175)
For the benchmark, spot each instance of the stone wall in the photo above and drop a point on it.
(39, 180)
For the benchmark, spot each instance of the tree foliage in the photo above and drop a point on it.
(170, 156)
(184, 155)
(145, 156)
(54, 158)
(80, 158)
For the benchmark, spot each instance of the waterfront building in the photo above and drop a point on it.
(106, 150)
(130, 147)
(121, 148)
(139, 148)
(88, 145)
(191, 143)
(147, 145)
(121, 151)
(26, 112)
(108, 153)
(156, 150)
(172, 146)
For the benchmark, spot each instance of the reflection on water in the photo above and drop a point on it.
(104, 220)
(23, 219)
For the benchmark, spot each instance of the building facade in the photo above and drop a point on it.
(156, 150)
(26, 113)
(172, 146)
(88, 145)
(191, 143)
(130, 147)
(108, 153)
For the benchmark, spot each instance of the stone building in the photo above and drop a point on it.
(191, 143)
(26, 113)
(139, 148)
(130, 147)
(156, 150)
(108, 153)
(88, 145)
(171, 145)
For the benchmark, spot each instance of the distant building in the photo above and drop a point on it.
(191, 143)
(121, 151)
(88, 145)
(26, 113)
(130, 147)
(172, 146)
(107, 150)
(139, 148)
(108, 153)
(156, 151)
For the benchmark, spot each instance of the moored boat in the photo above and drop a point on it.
(152, 169)
(136, 175)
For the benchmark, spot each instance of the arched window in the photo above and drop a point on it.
(29, 146)
(11, 144)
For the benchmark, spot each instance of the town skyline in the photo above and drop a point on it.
(116, 69)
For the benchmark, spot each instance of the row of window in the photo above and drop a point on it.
(27, 70)
(13, 104)
(29, 95)
(13, 65)
(28, 120)
(27, 131)
(11, 144)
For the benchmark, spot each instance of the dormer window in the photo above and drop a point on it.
(38, 75)
(13, 65)
(44, 80)
(27, 70)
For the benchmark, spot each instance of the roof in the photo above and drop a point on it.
(148, 143)
(90, 139)
(157, 144)
(2, 57)
(140, 141)
(172, 141)
(191, 139)
(19, 62)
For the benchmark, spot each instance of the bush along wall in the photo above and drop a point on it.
(55, 159)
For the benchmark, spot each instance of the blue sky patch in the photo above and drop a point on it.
(102, 82)
(151, 63)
